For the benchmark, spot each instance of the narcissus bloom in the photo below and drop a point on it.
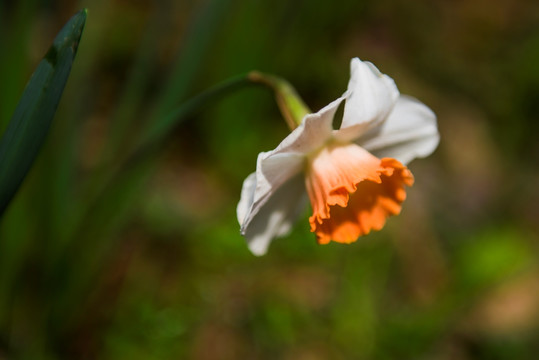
(355, 176)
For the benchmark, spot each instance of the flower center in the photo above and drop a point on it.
(353, 192)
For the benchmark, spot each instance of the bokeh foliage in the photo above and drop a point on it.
(153, 266)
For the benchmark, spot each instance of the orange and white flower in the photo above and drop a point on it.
(355, 176)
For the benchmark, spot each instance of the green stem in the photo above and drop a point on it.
(291, 105)
(164, 125)
(116, 193)
(123, 183)
(151, 142)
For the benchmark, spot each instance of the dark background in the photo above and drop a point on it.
(155, 268)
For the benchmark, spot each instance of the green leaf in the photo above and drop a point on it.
(31, 121)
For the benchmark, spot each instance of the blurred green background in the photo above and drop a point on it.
(154, 267)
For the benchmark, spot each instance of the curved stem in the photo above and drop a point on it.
(117, 189)
(165, 124)
(291, 105)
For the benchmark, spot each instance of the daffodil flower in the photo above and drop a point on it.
(355, 176)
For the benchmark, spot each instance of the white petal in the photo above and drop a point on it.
(410, 131)
(262, 211)
(247, 197)
(372, 96)
(312, 133)
(272, 171)
(276, 216)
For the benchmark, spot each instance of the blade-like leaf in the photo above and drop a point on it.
(31, 120)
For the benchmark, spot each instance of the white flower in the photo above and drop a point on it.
(354, 176)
